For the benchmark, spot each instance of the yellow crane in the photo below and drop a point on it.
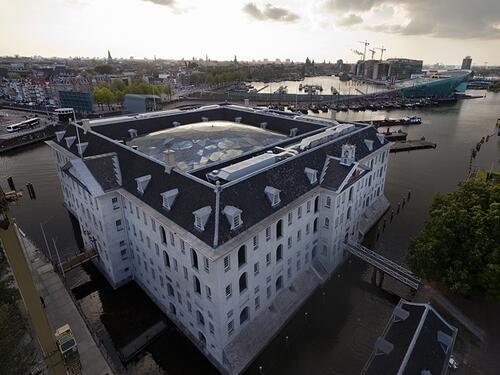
(9, 242)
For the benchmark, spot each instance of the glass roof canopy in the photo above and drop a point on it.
(199, 144)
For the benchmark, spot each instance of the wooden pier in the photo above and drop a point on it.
(410, 145)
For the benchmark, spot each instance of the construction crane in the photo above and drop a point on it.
(357, 52)
(11, 246)
(366, 44)
(382, 49)
(373, 53)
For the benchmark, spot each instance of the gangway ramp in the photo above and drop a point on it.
(78, 260)
(385, 265)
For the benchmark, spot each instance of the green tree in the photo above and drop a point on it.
(460, 244)
(103, 69)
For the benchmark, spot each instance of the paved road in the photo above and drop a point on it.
(60, 310)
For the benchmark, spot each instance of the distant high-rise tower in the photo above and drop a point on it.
(467, 62)
(109, 57)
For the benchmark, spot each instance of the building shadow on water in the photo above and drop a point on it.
(123, 314)
(333, 332)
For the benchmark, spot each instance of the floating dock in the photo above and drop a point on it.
(410, 145)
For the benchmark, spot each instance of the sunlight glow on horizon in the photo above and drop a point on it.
(88, 28)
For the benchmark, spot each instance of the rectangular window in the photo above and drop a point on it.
(211, 328)
(144, 218)
(257, 303)
(153, 225)
(206, 264)
(299, 212)
(209, 293)
(268, 259)
(256, 268)
(185, 273)
(172, 239)
(163, 235)
(183, 246)
(227, 263)
(137, 213)
(194, 259)
(157, 249)
(230, 327)
(256, 242)
(290, 218)
(114, 201)
(119, 226)
(308, 206)
(229, 291)
(268, 233)
(289, 242)
(166, 259)
(268, 291)
(148, 241)
(122, 243)
(299, 235)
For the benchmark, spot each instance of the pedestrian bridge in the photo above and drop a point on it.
(78, 260)
(383, 264)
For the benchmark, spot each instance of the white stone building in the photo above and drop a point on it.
(230, 245)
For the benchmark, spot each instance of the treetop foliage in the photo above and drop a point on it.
(460, 244)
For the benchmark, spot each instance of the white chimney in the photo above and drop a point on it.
(169, 159)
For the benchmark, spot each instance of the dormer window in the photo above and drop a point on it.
(169, 198)
(142, 183)
(233, 216)
(81, 147)
(273, 195)
(201, 217)
(369, 144)
(381, 138)
(60, 135)
(312, 175)
(69, 141)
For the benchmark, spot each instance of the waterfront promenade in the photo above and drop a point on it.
(60, 310)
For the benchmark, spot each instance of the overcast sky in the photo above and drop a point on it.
(432, 30)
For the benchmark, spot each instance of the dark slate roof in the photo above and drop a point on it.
(289, 177)
(335, 174)
(415, 343)
(194, 193)
(103, 170)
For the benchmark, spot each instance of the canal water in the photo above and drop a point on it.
(326, 82)
(335, 330)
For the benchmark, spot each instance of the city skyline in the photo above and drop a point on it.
(323, 30)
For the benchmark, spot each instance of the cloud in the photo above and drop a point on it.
(349, 20)
(168, 3)
(455, 19)
(270, 13)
